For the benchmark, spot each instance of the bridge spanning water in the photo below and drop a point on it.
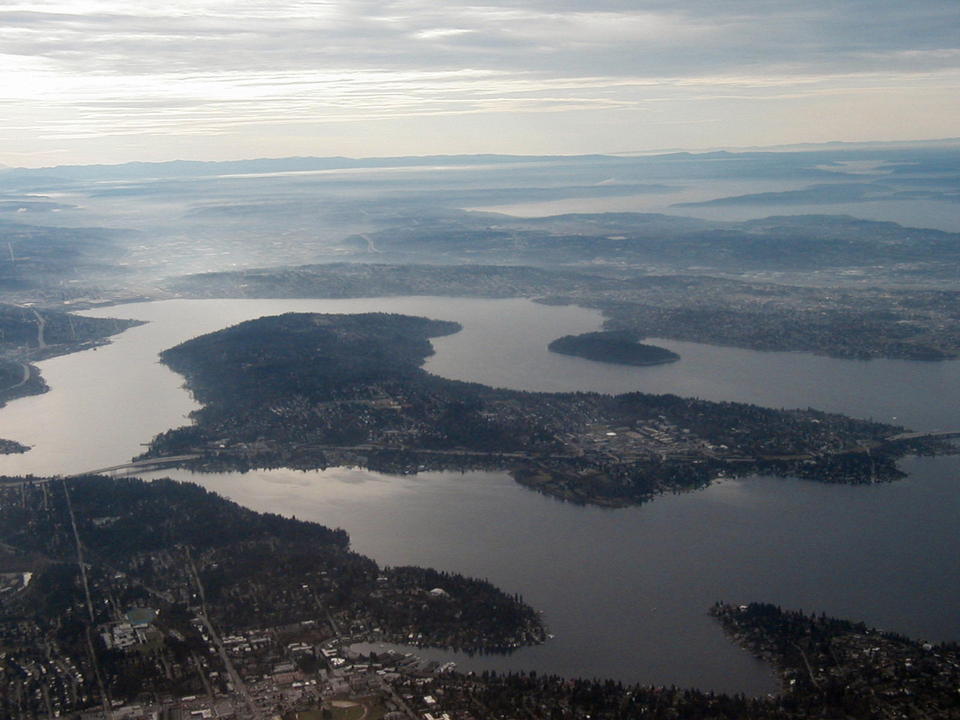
(163, 462)
(130, 468)
(145, 465)
(942, 434)
(168, 461)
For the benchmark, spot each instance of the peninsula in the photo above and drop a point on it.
(119, 590)
(129, 599)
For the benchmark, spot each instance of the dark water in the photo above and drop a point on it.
(625, 591)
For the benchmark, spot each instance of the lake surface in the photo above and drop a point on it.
(625, 591)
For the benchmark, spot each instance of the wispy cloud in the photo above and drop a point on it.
(82, 69)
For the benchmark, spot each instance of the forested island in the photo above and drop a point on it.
(307, 391)
(844, 322)
(619, 347)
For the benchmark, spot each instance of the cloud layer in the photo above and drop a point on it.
(210, 78)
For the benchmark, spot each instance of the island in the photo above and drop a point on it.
(619, 347)
(310, 391)
(853, 322)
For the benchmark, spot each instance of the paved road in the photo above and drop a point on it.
(144, 464)
(238, 684)
(41, 324)
(23, 381)
(919, 435)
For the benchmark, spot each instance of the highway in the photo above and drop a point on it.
(920, 435)
(154, 463)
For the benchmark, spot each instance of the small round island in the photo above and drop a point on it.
(620, 347)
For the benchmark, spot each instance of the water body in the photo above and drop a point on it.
(625, 591)
(934, 214)
(107, 402)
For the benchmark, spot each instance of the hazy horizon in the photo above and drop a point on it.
(100, 81)
(946, 142)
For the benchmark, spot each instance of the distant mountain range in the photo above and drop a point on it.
(200, 168)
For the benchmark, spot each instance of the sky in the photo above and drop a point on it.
(104, 81)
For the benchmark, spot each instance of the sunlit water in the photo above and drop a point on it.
(625, 591)
(934, 214)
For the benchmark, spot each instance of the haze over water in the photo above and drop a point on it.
(625, 591)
